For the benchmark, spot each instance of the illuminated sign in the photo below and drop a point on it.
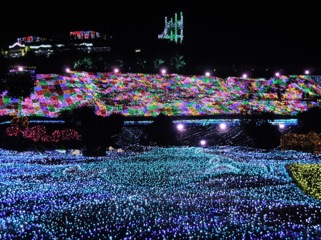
(173, 30)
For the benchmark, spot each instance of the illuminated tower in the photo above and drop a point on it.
(173, 29)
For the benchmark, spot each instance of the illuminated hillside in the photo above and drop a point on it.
(175, 95)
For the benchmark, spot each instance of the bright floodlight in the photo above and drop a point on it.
(281, 125)
(20, 68)
(207, 74)
(67, 70)
(180, 127)
(116, 70)
(306, 72)
(244, 75)
(163, 71)
(277, 74)
(223, 126)
(203, 142)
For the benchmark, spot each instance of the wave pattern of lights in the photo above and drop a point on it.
(161, 193)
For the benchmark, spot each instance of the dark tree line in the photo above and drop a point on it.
(161, 131)
(310, 120)
(19, 85)
(97, 131)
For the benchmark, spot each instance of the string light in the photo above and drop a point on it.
(39, 133)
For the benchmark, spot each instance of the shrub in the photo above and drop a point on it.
(309, 142)
(162, 131)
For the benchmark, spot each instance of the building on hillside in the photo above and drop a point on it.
(83, 41)
(90, 41)
(23, 45)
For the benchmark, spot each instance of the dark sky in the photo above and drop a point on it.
(220, 32)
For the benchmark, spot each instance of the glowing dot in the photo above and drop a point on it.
(180, 126)
(203, 142)
(223, 126)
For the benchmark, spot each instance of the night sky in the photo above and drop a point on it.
(222, 33)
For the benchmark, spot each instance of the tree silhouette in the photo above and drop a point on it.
(18, 84)
(264, 134)
(96, 131)
(162, 131)
(4, 65)
(310, 120)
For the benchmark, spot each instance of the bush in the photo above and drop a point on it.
(310, 120)
(264, 134)
(309, 142)
(162, 131)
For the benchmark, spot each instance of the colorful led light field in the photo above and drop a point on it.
(175, 95)
(160, 193)
(308, 177)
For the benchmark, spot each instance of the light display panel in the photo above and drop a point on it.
(133, 94)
